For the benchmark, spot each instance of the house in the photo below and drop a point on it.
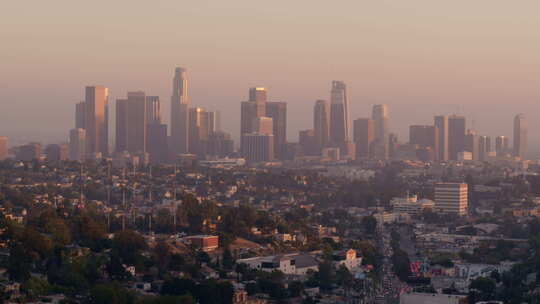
(206, 243)
(291, 264)
(348, 258)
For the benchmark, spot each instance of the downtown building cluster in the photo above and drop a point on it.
(195, 133)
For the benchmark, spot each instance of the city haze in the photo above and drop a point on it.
(420, 57)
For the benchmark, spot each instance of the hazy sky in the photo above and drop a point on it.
(480, 58)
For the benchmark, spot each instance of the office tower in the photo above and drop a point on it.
(471, 144)
(56, 152)
(263, 125)
(258, 147)
(423, 136)
(321, 124)
(381, 124)
(501, 144)
(520, 136)
(180, 113)
(306, 139)
(392, 145)
(456, 136)
(441, 125)
(97, 120)
(77, 144)
(157, 145)
(136, 122)
(251, 109)
(364, 134)
(258, 94)
(484, 147)
(29, 152)
(198, 130)
(278, 112)
(219, 144)
(339, 113)
(213, 119)
(80, 115)
(3, 147)
(153, 110)
(451, 198)
(121, 125)
(347, 150)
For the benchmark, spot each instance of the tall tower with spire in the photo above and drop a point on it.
(180, 112)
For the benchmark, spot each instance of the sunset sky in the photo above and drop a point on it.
(480, 58)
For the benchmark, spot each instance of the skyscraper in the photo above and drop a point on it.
(136, 122)
(520, 136)
(77, 144)
(278, 112)
(484, 147)
(213, 119)
(97, 120)
(121, 125)
(441, 124)
(157, 145)
(381, 124)
(501, 144)
(180, 113)
(56, 152)
(364, 134)
(306, 139)
(424, 136)
(258, 147)
(456, 136)
(80, 115)
(471, 144)
(251, 109)
(153, 110)
(339, 113)
(198, 130)
(263, 125)
(321, 124)
(3, 147)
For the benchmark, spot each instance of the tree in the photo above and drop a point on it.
(369, 224)
(401, 264)
(227, 259)
(485, 287)
(111, 294)
(128, 244)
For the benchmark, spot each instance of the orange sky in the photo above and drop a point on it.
(422, 57)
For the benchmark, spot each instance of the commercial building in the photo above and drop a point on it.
(364, 134)
(321, 124)
(520, 136)
(96, 121)
(258, 147)
(451, 198)
(441, 148)
(382, 131)
(456, 136)
(180, 113)
(77, 144)
(3, 147)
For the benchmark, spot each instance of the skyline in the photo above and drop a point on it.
(421, 64)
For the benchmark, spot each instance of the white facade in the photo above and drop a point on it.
(451, 198)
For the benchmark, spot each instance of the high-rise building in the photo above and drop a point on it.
(56, 152)
(219, 144)
(251, 109)
(339, 113)
(321, 124)
(29, 152)
(3, 147)
(501, 144)
(263, 125)
(364, 134)
(456, 136)
(381, 124)
(180, 113)
(471, 144)
(136, 122)
(97, 120)
(80, 115)
(121, 121)
(441, 125)
(278, 112)
(153, 110)
(423, 136)
(258, 147)
(214, 121)
(520, 136)
(484, 147)
(77, 144)
(306, 139)
(198, 130)
(451, 198)
(157, 145)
